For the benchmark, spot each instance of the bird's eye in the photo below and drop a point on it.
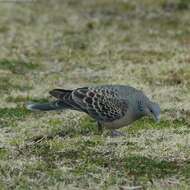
(151, 111)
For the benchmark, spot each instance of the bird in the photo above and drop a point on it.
(112, 106)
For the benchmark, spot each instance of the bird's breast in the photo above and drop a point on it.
(124, 121)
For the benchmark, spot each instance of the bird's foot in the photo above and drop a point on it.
(100, 128)
(115, 133)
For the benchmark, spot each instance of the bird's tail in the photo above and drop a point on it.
(56, 105)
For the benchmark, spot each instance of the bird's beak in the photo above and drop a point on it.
(157, 118)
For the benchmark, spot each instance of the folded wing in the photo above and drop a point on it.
(100, 103)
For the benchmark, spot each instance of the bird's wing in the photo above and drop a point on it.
(100, 103)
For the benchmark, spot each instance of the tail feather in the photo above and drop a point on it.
(45, 106)
(64, 102)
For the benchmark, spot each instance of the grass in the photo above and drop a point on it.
(46, 45)
(16, 66)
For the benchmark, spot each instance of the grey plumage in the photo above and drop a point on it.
(112, 106)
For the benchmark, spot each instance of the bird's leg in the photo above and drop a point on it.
(100, 128)
(115, 133)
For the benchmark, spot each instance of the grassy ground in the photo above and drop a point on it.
(50, 44)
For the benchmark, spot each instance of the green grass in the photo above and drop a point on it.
(16, 66)
(16, 113)
(46, 45)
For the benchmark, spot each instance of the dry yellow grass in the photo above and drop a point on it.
(50, 44)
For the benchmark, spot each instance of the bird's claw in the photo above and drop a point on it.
(115, 133)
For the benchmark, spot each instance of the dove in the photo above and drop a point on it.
(112, 106)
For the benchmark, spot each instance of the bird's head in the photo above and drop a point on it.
(149, 108)
(153, 110)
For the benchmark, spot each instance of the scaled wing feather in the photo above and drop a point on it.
(102, 104)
